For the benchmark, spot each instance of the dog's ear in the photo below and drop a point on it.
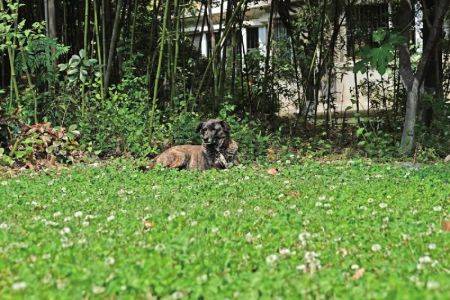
(199, 127)
(225, 127)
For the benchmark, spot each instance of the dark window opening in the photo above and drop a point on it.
(362, 22)
(252, 38)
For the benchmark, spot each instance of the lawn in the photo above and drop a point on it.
(353, 230)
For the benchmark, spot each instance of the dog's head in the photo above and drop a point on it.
(214, 132)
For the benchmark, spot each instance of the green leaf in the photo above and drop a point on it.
(62, 67)
(72, 71)
(379, 35)
(360, 67)
(360, 131)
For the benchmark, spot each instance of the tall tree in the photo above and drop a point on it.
(113, 43)
(51, 18)
(412, 80)
(433, 72)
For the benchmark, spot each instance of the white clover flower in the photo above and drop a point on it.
(271, 259)
(354, 267)
(65, 230)
(425, 260)
(4, 226)
(311, 255)
(319, 204)
(98, 289)
(304, 236)
(437, 208)
(66, 243)
(432, 285)
(85, 224)
(301, 268)
(171, 217)
(226, 213)
(376, 247)
(312, 261)
(194, 223)
(67, 219)
(50, 223)
(111, 218)
(240, 211)
(57, 214)
(285, 252)
(249, 237)
(110, 261)
(329, 212)
(214, 230)
(160, 248)
(257, 208)
(406, 237)
(322, 198)
(18, 286)
(177, 295)
(78, 214)
(383, 205)
(202, 278)
(34, 203)
(4, 183)
(432, 246)
(370, 200)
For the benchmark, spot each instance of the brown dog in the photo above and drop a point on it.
(218, 150)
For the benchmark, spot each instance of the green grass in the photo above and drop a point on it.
(218, 234)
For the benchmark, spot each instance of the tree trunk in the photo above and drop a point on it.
(433, 71)
(51, 19)
(412, 100)
(112, 46)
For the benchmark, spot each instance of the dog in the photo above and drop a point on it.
(217, 151)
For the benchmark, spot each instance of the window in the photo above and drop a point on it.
(362, 21)
(283, 47)
(252, 38)
(279, 31)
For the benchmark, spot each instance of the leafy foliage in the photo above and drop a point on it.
(41, 145)
(382, 55)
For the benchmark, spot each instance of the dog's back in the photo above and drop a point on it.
(189, 157)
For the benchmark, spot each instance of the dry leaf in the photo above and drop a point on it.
(272, 171)
(294, 193)
(148, 224)
(358, 274)
(446, 225)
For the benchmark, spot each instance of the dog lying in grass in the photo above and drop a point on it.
(217, 150)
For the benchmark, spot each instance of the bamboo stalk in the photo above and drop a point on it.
(85, 47)
(158, 70)
(99, 50)
(112, 46)
(14, 91)
(177, 49)
(133, 25)
(220, 44)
